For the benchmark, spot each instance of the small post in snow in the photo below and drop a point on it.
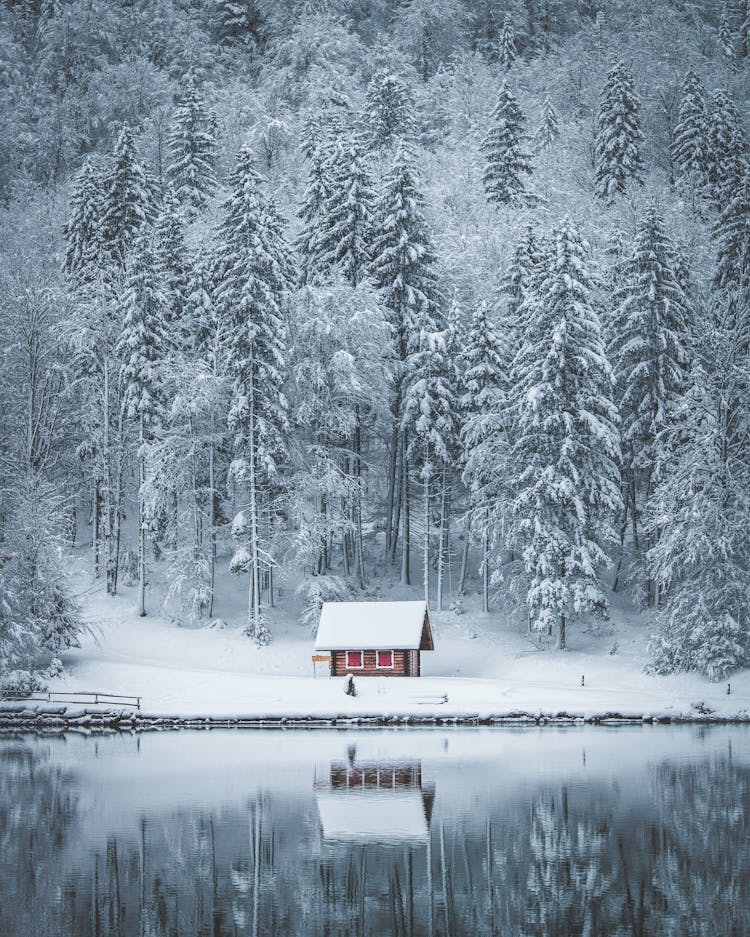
(729, 689)
(583, 679)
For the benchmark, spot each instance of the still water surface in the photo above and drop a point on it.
(524, 833)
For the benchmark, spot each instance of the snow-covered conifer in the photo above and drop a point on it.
(688, 150)
(507, 47)
(618, 137)
(504, 149)
(252, 273)
(389, 110)
(83, 260)
(346, 224)
(142, 348)
(548, 130)
(726, 150)
(192, 149)
(567, 449)
(310, 243)
(240, 22)
(701, 512)
(733, 239)
(404, 269)
(488, 37)
(650, 337)
(172, 260)
(484, 436)
(126, 205)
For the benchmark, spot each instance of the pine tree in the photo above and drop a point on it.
(252, 275)
(503, 147)
(725, 38)
(618, 138)
(484, 433)
(346, 224)
(726, 150)
(404, 269)
(172, 260)
(507, 52)
(732, 231)
(428, 421)
(240, 22)
(310, 243)
(126, 205)
(701, 510)
(651, 331)
(389, 110)
(688, 151)
(83, 259)
(192, 149)
(142, 350)
(487, 42)
(548, 130)
(567, 450)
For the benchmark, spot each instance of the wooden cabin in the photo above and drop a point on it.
(374, 639)
(374, 801)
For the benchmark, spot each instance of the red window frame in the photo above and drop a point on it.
(382, 666)
(350, 665)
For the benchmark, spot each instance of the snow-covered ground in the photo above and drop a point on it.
(482, 663)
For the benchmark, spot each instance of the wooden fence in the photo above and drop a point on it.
(82, 697)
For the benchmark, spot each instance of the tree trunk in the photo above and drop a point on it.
(141, 525)
(442, 537)
(254, 598)
(399, 504)
(465, 555)
(359, 557)
(405, 531)
(426, 541)
(96, 528)
(391, 526)
(486, 562)
(212, 523)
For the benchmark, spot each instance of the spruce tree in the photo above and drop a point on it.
(651, 331)
(488, 39)
(507, 51)
(142, 349)
(726, 150)
(702, 514)
(504, 149)
(732, 232)
(192, 149)
(252, 273)
(310, 242)
(346, 224)
(567, 450)
(389, 110)
(484, 435)
(240, 22)
(172, 259)
(548, 130)
(404, 269)
(688, 149)
(125, 203)
(83, 260)
(618, 138)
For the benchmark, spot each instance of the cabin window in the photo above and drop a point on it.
(354, 660)
(384, 660)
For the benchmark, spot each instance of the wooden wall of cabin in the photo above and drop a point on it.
(403, 665)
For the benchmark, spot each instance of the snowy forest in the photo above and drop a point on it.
(314, 290)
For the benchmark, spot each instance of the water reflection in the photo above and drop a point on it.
(330, 839)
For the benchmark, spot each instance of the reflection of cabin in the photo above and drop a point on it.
(374, 639)
(382, 802)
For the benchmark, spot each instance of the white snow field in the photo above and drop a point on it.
(483, 663)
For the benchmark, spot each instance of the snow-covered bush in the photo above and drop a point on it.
(315, 592)
(189, 594)
(20, 683)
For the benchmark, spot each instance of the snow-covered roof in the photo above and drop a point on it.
(380, 816)
(372, 626)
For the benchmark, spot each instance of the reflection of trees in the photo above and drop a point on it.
(701, 851)
(578, 861)
(37, 809)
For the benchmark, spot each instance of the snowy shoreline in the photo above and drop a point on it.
(15, 717)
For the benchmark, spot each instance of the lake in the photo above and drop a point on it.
(519, 832)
